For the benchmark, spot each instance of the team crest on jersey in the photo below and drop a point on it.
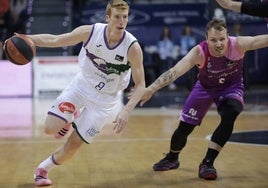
(106, 67)
(92, 132)
(229, 63)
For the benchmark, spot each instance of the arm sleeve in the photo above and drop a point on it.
(255, 9)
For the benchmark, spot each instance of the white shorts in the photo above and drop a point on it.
(88, 116)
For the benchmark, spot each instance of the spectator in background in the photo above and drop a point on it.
(13, 17)
(6, 24)
(219, 14)
(237, 30)
(165, 48)
(187, 41)
(18, 10)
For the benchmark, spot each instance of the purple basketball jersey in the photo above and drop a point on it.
(219, 78)
(221, 72)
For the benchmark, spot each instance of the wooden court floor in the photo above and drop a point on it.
(125, 160)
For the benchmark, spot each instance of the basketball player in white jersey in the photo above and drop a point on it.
(108, 58)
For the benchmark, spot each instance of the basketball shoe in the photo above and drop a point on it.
(166, 164)
(41, 177)
(207, 172)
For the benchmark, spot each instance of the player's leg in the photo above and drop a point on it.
(229, 109)
(59, 127)
(62, 154)
(65, 109)
(54, 125)
(178, 141)
(195, 108)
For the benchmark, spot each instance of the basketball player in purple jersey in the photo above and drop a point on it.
(220, 81)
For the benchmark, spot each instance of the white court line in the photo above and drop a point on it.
(118, 140)
(242, 143)
(175, 112)
(95, 141)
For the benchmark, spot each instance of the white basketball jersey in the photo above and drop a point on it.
(106, 69)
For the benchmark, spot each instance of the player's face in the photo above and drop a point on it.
(217, 42)
(118, 20)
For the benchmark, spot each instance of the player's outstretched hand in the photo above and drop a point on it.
(121, 121)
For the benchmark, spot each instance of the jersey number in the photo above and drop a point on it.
(100, 85)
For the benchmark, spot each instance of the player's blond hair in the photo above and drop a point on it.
(118, 4)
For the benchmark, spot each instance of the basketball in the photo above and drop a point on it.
(19, 49)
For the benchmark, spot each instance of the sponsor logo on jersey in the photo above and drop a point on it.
(229, 63)
(209, 63)
(106, 67)
(119, 58)
(66, 107)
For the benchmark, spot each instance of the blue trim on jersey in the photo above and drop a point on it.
(106, 41)
(93, 26)
(56, 115)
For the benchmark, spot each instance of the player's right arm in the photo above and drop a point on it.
(251, 8)
(194, 57)
(231, 5)
(80, 34)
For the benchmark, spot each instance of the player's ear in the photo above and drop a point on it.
(107, 18)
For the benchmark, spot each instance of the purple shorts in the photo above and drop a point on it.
(200, 100)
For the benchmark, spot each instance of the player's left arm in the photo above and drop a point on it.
(247, 43)
(135, 58)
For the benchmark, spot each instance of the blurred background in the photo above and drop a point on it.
(166, 30)
(181, 22)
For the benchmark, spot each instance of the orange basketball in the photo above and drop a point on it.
(19, 49)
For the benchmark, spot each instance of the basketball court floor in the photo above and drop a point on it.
(125, 160)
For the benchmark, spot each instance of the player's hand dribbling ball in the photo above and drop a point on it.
(19, 49)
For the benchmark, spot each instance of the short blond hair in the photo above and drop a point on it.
(118, 4)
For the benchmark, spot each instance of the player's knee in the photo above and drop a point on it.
(230, 109)
(53, 124)
(184, 129)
